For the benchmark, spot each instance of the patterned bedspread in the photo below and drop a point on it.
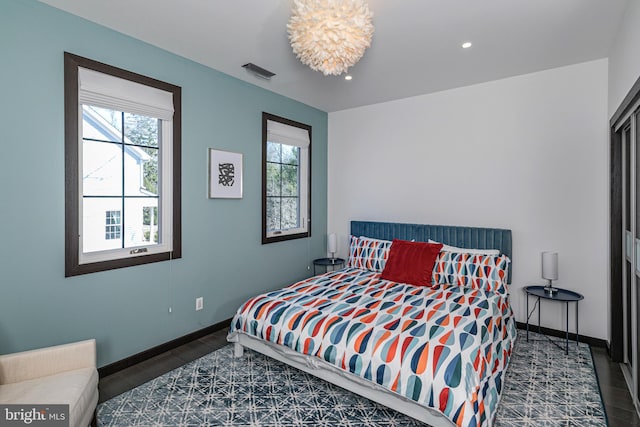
(445, 347)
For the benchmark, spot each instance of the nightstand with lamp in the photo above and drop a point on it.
(548, 292)
(333, 262)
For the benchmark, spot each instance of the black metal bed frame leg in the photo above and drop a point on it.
(539, 330)
(577, 326)
(566, 344)
(527, 317)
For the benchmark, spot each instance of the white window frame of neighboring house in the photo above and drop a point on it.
(110, 228)
(88, 82)
(288, 132)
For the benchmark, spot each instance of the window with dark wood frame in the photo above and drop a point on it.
(286, 179)
(171, 248)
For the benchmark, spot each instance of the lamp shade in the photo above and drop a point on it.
(332, 243)
(550, 265)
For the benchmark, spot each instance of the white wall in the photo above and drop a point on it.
(528, 153)
(624, 60)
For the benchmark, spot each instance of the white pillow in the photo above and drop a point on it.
(374, 240)
(466, 250)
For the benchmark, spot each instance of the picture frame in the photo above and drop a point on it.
(225, 174)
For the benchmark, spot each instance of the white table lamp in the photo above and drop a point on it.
(550, 270)
(332, 245)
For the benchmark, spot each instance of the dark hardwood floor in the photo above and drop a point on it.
(140, 373)
(615, 394)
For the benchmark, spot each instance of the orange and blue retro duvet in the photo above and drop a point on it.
(444, 347)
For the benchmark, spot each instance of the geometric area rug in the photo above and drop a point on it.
(543, 387)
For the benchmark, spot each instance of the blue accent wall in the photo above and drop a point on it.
(127, 310)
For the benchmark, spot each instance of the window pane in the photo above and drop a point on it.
(134, 227)
(101, 168)
(274, 179)
(289, 180)
(290, 154)
(141, 171)
(101, 123)
(274, 152)
(141, 130)
(273, 213)
(150, 171)
(289, 212)
(101, 223)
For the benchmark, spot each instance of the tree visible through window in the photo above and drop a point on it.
(286, 179)
(282, 186)
(150, 223)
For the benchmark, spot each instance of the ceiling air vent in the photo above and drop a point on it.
(258, 71)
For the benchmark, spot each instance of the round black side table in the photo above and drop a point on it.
(559, 294)
(328, 262)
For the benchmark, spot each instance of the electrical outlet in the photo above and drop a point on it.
(199, 303)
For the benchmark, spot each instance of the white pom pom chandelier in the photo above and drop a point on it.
(330, 35)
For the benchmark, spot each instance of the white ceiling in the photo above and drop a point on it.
(415, 48)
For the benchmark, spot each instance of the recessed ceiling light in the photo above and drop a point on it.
(348, 77)
(466, 45)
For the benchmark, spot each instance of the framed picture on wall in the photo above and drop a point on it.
(225, 174)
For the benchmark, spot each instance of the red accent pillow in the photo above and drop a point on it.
(411, 262)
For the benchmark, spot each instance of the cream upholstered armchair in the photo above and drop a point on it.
(63, 374)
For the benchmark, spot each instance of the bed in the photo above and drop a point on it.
(434, 351)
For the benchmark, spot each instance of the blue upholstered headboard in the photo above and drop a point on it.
(465, 237)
